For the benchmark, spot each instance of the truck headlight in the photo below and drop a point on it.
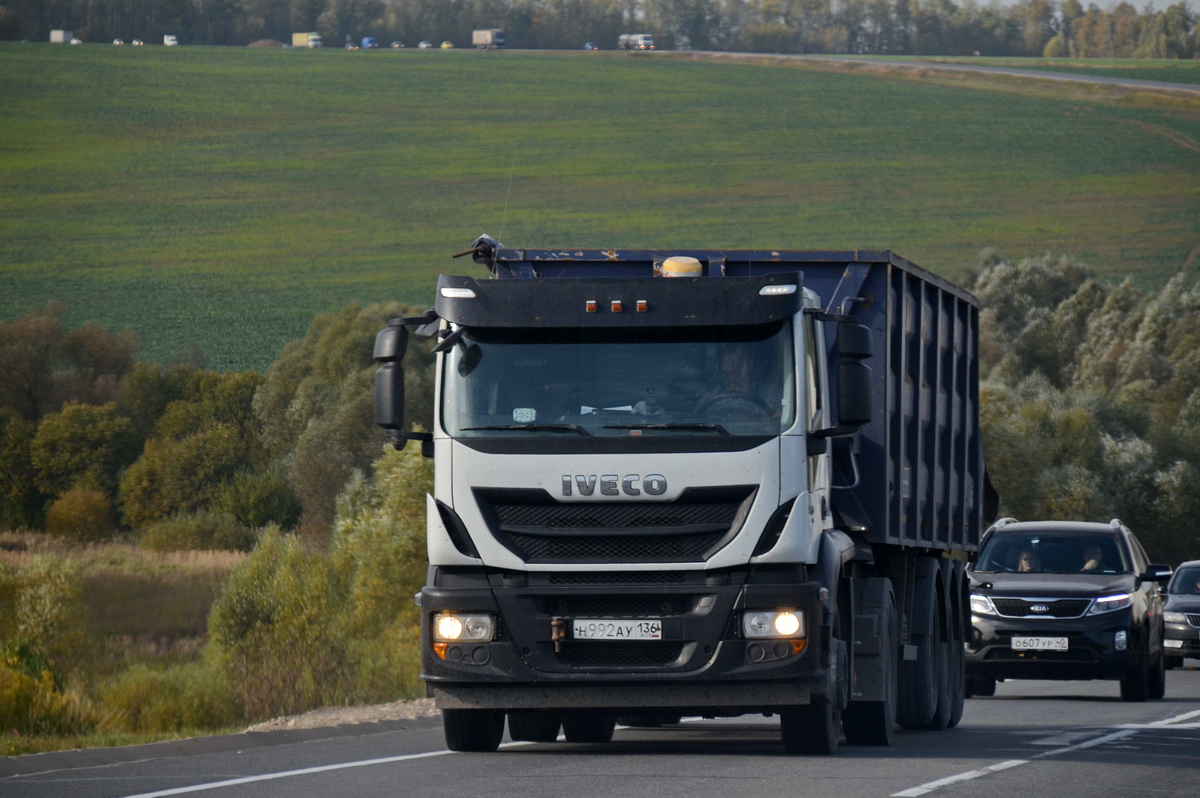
(773, 624)
(1110, 603)
(982, 605)
(453, 627)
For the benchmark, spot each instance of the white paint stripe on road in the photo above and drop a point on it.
(974, 774)
(1125, 730)
(213, 785)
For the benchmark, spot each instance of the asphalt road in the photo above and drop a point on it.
(1060, 739)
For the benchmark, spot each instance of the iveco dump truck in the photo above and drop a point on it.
(695, 483)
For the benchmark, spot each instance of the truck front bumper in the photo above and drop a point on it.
(701, 661)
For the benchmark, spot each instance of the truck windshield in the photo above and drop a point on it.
(678, 381)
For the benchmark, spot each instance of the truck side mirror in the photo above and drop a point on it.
(390, 345)
(855, 401)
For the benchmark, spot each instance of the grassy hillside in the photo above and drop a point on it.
(219, 198)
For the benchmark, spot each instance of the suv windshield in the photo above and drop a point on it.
(677, 381)
(1052, 553)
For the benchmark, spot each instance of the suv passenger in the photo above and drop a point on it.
(1066, 600)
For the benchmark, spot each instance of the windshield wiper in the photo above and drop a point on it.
(697, 425)
(533, 428)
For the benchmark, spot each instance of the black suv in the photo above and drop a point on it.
(1066, 600)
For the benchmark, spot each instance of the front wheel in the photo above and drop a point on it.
(811, 729)
(477, 730)
(588, 727)
(1136, 684)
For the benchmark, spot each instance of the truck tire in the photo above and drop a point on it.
(873, 722)
(811, 729)
(533, 726)
(959, 623)
(477, 730)
(981, 686)
(588, 727)
(921, 678)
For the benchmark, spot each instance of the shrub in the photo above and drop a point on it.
(84, 514)
(43, 608)
(198, 531)
(35, 705)
(193, 695)
(260, 498)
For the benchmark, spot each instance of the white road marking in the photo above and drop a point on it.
(1124, 730)
(213, 785)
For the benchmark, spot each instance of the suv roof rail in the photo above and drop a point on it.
(1116, 523)
(1003, 522)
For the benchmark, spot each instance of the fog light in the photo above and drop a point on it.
(1121, 640)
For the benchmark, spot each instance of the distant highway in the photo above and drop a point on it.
(1065, 739)
(1070, 77)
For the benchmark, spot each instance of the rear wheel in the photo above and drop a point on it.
(921, 678)
(473, 729)
(533, 726)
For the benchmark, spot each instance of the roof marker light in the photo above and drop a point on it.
(777, 290)
(616, 306)
(590, 306)
(642, 306)
(450, 292)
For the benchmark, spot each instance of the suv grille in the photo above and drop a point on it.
(1194, 618)
(1055, 608)
(541, 530)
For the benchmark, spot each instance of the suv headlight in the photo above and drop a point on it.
(1110, 603)
(982, 605)
(1175, 617)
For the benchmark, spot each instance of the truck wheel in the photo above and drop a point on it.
(872, 722)
(920, 678)
(958, 645)
(1136, 684)
(588, 727)
(473, 729)
(811, 729)
(533, 726)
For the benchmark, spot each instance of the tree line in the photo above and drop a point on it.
(1051, 28)
(1090, 408)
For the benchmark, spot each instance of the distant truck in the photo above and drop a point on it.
(489, 39)
(170, 41)
(708, 482)
(635, 41)
(310, 40)
(61, 36)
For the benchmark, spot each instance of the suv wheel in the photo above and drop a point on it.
(1136, 684)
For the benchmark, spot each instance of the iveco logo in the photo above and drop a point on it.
(614, 485)
(1038, 608)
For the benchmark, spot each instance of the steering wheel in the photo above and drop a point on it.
(733, 403)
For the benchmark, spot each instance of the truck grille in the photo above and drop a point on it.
(1055, 608)
(540, 530)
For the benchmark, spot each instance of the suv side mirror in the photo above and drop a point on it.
(1156, 573)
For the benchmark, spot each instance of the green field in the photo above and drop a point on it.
(216, 199)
